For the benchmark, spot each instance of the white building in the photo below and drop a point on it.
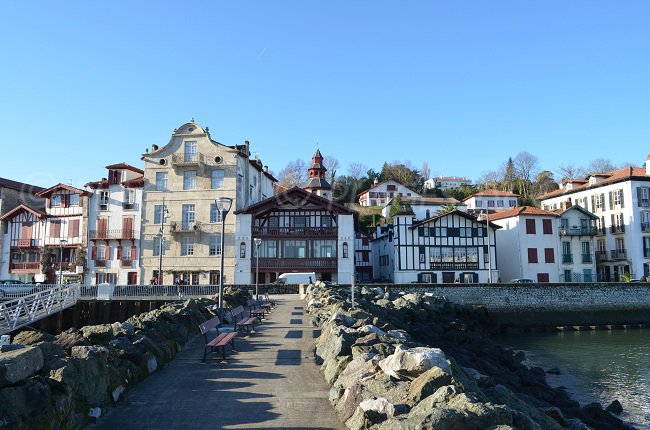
(425, 207)
(491, 200)
(446, 182)
(382, 192)
(448, 248)
(114, 227)
(528, 244)
(621, 201)
(577, 233)
(363, 257)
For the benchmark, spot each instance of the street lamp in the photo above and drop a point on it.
(223, 205)
(163, 216)
(62, 243)
(258, 242)
(487, 224)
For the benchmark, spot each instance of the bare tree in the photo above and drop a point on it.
(600, 165)
(526, 168)
(425, 171)
(357, 170)
(332, 165)
(294, 174)
(570, 171)
(489, 179)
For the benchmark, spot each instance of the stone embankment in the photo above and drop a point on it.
(66, 381)
(416, 361)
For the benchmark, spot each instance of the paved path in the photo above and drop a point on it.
(272, 382)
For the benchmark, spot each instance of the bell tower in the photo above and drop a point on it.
(317, 183)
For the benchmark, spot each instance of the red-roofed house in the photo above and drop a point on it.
(491, 200)
(382, 192)
(621, 201)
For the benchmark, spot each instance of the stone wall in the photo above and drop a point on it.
(542, 298)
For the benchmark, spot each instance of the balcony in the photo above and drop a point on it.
(444, 265)
(578, 231)
(127, 264)
(645, 226)
(296, 263)
(128, 206)
(24, 267)
(188, 160)
(295, 231)
(586, 258)
(100, 263)
(646, 253)
(184, 227)
(25, 243)
(117, 234)
(567, 258)
(601, 255)
(617, 229)
(618, 254)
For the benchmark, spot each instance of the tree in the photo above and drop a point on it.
(294, 174)
(332, 165)
(345, 190)
(570, 171)
(509, 175)
(446, 209)
(357, 170)
(600, 165)
(397, 207)
(425, 171)
(525, 165)
(544, 183)
(404, 173)
(488, 180)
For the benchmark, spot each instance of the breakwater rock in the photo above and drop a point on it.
(65, 381)
(416, 361)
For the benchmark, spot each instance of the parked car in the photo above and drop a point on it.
(521, 281)
(12, 288)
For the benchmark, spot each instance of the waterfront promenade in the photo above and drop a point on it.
(271, 382)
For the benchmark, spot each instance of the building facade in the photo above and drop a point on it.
(621, 201)
(182, 181)
(491, 200)
(446, 182)
(448, 248)
(363, 257)
(382, 192)
(425, 207)
(114, 223)
(577, 244)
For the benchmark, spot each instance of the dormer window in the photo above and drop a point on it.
(114, 177)
(56, 201)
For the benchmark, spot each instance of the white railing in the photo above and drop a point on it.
(146, 292)
(23, 311)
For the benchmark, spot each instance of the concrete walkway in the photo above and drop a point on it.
(271, 382)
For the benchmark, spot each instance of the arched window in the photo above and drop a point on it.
(242, 250)
(345, 250)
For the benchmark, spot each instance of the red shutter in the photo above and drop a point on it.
(73, 230)
(107, 253)
(55, 228)
(119, 252)
(532, 255)
(530, 226)
(549, 255)
(542, 277)
(547, 226)
(133, 257)
(93, 253)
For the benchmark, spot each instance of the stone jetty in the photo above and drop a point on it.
(416, 361)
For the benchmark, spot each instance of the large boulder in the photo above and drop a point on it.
(409, 363)
(85, 375)
(31, 337)
(426, 384)
(97, 333)
(370, 412)
(71, 338)
(19, 364)
(335, 342)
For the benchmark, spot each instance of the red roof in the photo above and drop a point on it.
(624, 174)
(521, 210)
(51, 190)
(492, 193)
(134, 183)
(125, 166)
(23, 208)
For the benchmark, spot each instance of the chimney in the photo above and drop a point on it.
(247, 145)
(266, 169)
(647, 165)
(375, 182)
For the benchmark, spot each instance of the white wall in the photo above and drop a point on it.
(243, 233)
(346, 267)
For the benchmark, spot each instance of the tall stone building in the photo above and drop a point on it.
(182, 180)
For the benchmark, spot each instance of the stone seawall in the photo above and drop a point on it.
(510, 298)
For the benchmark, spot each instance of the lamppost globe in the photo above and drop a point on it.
(223, 205)
(258, 242)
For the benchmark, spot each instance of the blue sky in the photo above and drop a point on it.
(461, 85)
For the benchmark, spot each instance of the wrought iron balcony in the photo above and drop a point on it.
(618, 254)
(184, 226)
(188, 160)
(586, 258)
(126, 263)
(100, 263)
(127, 234)
(567, 258)
(294, 231)
(646, 253)
(295, 263)
(618, 229)
(128, 205)
(645, 226)
(578, 231)
(444, 265)
(601, 255)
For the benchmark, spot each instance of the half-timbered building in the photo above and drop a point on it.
(363, 257)
(300, 231)
(23, 241)
(114, 226)
(447, 248)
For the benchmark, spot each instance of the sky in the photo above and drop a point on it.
(460, 85)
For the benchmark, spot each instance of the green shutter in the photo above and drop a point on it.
(622, 203)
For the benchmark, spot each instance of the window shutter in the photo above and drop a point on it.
(593, 203)
(93, 253)
(639, 197)
(96, 278)
(107, 253)
(602, 199)
(119, 252)
(549, 256)
(547, 226)
(622, 203)
(611, 200)
(133, 257)
(532, 255)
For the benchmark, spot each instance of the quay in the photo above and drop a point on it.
(271, 382)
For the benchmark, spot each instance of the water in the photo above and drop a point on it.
(596, 366)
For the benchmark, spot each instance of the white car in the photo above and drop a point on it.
(10, 288)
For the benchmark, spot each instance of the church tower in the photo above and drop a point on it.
(317, 183)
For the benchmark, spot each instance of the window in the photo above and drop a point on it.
(599, 201)
(490, 203)
(566, 248)
(215, 214)
(161, 181)
(129, 197)
(543, 277)
(215, 245)
(479, 203)
(158, 211)
(324, 249)
(217, 179)
(326, 221)
(156, 246)
(512, 203)
(547, 226)
(295, 249)
(190, 151)
(56, 200)
(74, 199)
(242, 250)
(299, 221)
(549, 255)
(618, 195)
(532, 255)
(101, 252)
(55, 228)
(189, 217)
(465, 232)
(104, 197)
(345, 250)
(187, 246)
(189, 179)
(530, 226)
(499, 203)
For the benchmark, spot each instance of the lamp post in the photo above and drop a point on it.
(258, 242)
(223, 205)
(164, 213)
(62, 243)
(487, 224)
